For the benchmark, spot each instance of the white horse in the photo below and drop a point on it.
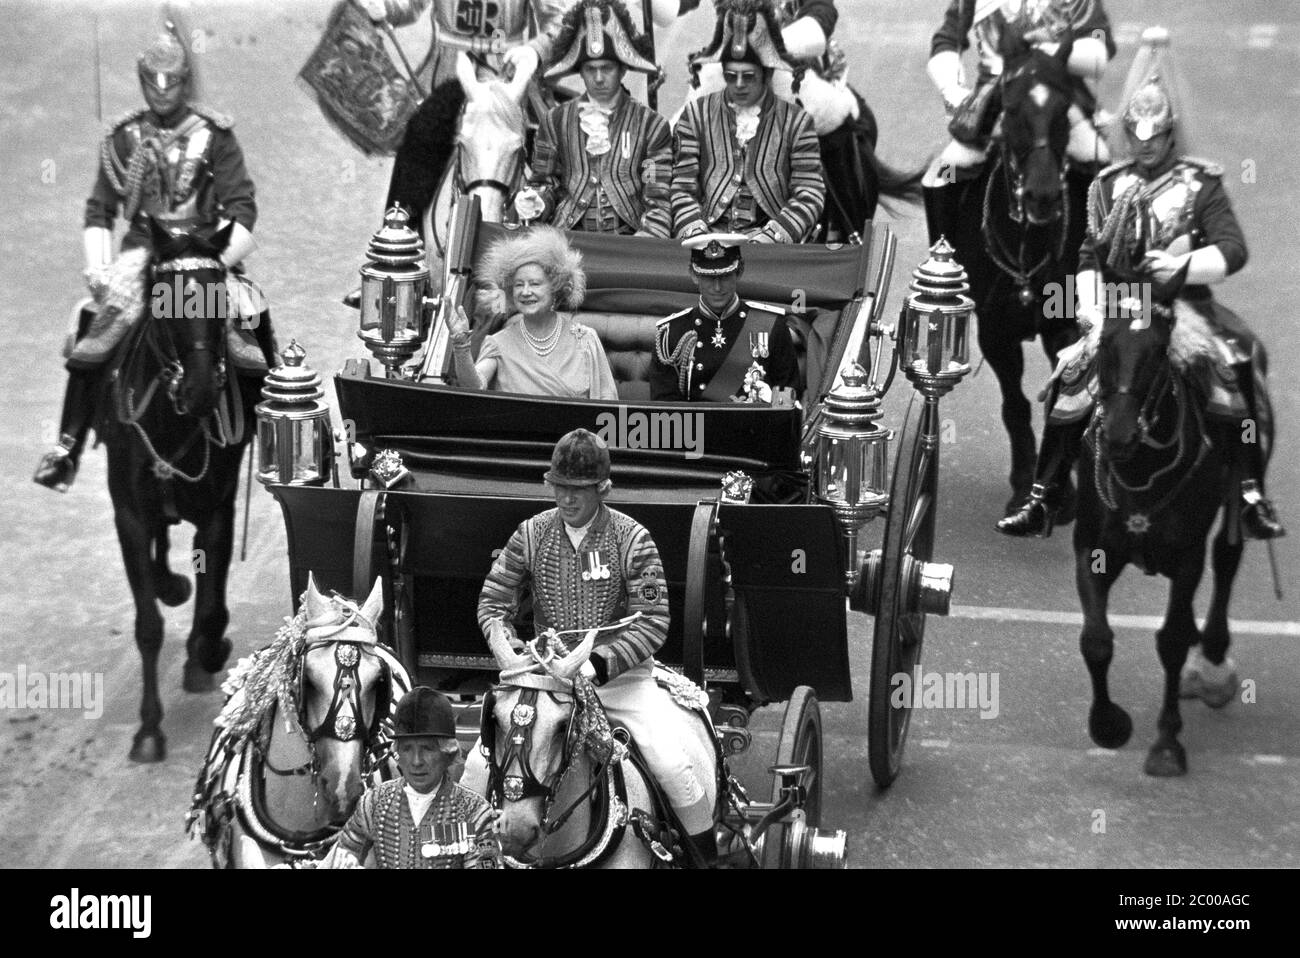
(489, 158)
(307, 724)
(570, 794)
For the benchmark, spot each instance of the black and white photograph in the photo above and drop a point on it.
(681, 434)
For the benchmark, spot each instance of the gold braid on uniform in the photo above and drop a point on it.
(680, 357)
(565, 600)
(1119, 222)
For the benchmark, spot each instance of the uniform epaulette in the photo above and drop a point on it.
(1205, 166)
(220, 120)
(1115, 168)
(677, 315)
(125, 118)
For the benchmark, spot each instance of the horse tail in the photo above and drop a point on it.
(898, 185)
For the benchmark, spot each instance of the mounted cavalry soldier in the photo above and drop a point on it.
(722, 348)
(601, 163)
(179, 164)
(1044, 24)
(591, 568)
(747, 161)
(1162, 217)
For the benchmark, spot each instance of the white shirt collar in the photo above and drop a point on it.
(420, 802)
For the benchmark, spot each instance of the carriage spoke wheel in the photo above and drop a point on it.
(901, 605)
(800, 744)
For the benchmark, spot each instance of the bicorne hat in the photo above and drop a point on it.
(580, 458)
(747, 31)
(601, 30)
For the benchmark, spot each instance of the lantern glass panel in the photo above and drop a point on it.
(308, 449)
(268, 469)
(372, 292)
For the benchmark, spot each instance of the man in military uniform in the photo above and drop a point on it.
(181, 164)
(722, 348)
(424, 819)
(589, 566)
(1045, 24)
(601, 163)
(747, 161)
(1155, 215)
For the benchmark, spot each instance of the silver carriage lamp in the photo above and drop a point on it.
(294, 442)
(935, 324)
(394, 302)
(852, 459)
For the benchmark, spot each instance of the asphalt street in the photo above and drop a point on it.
(1022, 788)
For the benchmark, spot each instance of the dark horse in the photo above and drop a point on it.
(1153, 476)
(1018, 230)
(175, 435)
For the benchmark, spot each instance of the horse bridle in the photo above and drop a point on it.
(347, 691)
(519, 746)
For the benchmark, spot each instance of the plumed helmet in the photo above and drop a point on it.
(747, 31)
(601, 30)
(165, 55)
(548, 248)
(1152, 102)
(424, 711)
(1150, 112)
(580, 458)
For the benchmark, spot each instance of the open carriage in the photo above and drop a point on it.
(758, 581)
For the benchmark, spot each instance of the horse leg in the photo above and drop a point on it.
(1007, 359)
(1094, 573)
(135, 538)
(1167, 757)
(173, 589)
(1225, 561)
(207, 647)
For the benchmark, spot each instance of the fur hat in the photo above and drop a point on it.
(581, 458)
(747, 31)
(547, 247)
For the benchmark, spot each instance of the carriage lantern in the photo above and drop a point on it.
(935, 324)
(853, 459)
(294, 442)
(394, 283)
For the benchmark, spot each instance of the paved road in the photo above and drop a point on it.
(1021, 788)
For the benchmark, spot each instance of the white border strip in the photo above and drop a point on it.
(1149, 622)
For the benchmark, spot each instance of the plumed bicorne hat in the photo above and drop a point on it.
(747, 31)
(602, 30)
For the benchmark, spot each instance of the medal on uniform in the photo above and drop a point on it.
(594, 566)
(758, 345)
(444, 839)
(718, 340)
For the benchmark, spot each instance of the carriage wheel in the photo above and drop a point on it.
(899, 609)
(800, 744)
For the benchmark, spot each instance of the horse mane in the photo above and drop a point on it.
(1192, 343)
(265, 678)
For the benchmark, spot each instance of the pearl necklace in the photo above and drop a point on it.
(546, 345)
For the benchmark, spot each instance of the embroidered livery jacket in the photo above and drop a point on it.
(624, 189)
(191, 173)
(688, 352)
(382, 823)
(1185, 208)
(1081, 18)
(780, 167)
(566, 595)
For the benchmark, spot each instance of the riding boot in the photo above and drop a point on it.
(1258, 517)
(942, 211)
(704, 848)
(1053, 497)
(58, 467)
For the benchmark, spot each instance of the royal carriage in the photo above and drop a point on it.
(758, 511)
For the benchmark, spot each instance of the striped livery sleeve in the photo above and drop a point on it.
(510, 572)
(657, 178)
(358, 835)
(647, 593)
(480, 817)
(807, 189)
(688, 215)
(544, 177)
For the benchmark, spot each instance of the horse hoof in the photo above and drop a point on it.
(175, 590)
(148, 747)
(1166, 761)
(196, 678)
(1109, 726)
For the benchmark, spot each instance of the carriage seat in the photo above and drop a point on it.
(629, 341)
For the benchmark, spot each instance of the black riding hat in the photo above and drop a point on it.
(424, 711)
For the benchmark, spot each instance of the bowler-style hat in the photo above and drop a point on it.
(581, 458)
(424, 711)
